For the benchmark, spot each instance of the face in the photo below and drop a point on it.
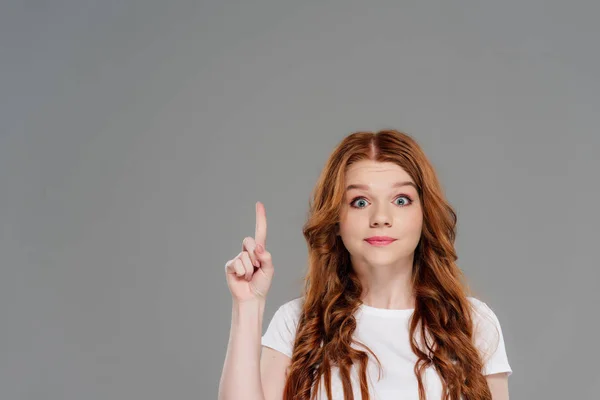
(379, 208)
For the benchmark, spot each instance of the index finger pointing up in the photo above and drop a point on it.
(260, 234)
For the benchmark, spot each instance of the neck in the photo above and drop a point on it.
(386, 286)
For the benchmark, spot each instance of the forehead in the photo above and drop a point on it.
(375, 173)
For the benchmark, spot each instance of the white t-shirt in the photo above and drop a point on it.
(386, 333)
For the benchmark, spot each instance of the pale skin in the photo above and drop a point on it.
(382, 210)
(387, 210)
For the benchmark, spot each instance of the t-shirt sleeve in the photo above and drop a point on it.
(281, 331)
(489, 340)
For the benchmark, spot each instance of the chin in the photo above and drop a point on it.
(383, 259)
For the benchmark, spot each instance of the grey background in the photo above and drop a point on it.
(136, 136)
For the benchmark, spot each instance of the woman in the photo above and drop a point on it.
(385, 312)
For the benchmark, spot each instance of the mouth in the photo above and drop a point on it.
(380, 242)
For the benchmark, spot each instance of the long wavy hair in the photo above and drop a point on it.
(332, 291)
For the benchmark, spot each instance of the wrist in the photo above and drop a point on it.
(255, 304)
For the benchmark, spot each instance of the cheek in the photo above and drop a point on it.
(412, 231)
(350, 233)
(416, 224)
(354, 226)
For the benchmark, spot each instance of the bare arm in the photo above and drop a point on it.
(273, 371)
(498, 384)
(250, 373)
(249, 277)
(240, 378)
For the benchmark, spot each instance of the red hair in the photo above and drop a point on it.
(442, 316)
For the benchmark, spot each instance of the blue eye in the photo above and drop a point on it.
(360, 198)
(405, 197)
(404, 204)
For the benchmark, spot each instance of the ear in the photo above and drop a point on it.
(337, 229)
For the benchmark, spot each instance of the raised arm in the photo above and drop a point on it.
(249, 276)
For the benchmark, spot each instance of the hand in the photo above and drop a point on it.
(250, 273)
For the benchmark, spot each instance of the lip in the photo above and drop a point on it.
(380, 240)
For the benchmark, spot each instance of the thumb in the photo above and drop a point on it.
(264, 257)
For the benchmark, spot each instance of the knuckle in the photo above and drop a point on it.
(239, 267)
(247, 261)
(245, 257)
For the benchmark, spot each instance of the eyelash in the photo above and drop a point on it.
(410, 200)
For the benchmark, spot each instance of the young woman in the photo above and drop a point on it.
(385, 313)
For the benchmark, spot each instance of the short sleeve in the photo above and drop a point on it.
(281, 332)
(489, 339)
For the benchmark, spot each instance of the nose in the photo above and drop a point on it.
(381, 217)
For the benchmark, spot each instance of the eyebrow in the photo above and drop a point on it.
(395, 185)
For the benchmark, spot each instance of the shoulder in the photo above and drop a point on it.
(482, 313)
(293, 306)
(290, 311)
(281, 330)
(488, 337)
(476, 302)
